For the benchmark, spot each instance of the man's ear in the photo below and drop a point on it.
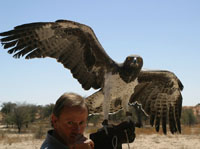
(54, 120)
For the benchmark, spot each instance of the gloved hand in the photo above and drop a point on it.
(117, 135)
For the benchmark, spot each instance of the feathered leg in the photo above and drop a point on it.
(127, 112)
(106, 108)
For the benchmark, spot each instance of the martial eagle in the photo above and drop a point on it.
(76, 46)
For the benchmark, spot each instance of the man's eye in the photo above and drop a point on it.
(70, 123)
(82, 122)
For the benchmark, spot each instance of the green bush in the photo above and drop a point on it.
(188, 117)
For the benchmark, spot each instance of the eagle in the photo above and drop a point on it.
(76, 46)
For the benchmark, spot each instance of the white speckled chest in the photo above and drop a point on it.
(115, 87)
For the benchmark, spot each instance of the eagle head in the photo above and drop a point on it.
(133, 62)
(131, 68)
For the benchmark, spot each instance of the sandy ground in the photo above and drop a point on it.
(154, 141)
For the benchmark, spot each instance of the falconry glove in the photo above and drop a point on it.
(117, 135)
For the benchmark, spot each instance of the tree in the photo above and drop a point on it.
(188, 117)
(47, 110)
(7, 110)
(20, 116)
(32, 109)
(7, 107)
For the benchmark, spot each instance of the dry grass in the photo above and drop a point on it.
(14, 138)
(34, 131)
(193, 130)
(186, 130)
(34, 136)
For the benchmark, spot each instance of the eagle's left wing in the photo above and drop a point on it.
(73, 44)
(159, 92)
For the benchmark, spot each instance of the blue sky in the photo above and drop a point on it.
(166, 33)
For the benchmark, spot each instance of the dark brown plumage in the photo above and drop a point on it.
(159, 94)
(73, 44)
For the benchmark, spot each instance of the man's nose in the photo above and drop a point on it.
(76, 128)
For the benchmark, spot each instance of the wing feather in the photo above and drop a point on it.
(161, 98)
(72, 44)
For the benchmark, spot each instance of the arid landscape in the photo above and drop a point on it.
(35, 123)
(155, 141)
(146, 138)
(149, 139)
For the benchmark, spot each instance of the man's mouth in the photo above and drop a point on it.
(75, 135)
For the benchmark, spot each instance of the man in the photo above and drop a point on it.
(69, 120)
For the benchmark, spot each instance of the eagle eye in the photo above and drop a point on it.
(135, 60)
(128, 58)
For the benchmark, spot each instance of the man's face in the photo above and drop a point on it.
(70, 125)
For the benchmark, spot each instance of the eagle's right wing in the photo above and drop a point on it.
(159, 92)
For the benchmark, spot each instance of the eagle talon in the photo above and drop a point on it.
(105, 122)
(105, 125)
(138, 124)
(128, 114)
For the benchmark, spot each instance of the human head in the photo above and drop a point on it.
(69, 117)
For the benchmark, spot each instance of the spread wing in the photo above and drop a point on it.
(159, 92)
(72, 44)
